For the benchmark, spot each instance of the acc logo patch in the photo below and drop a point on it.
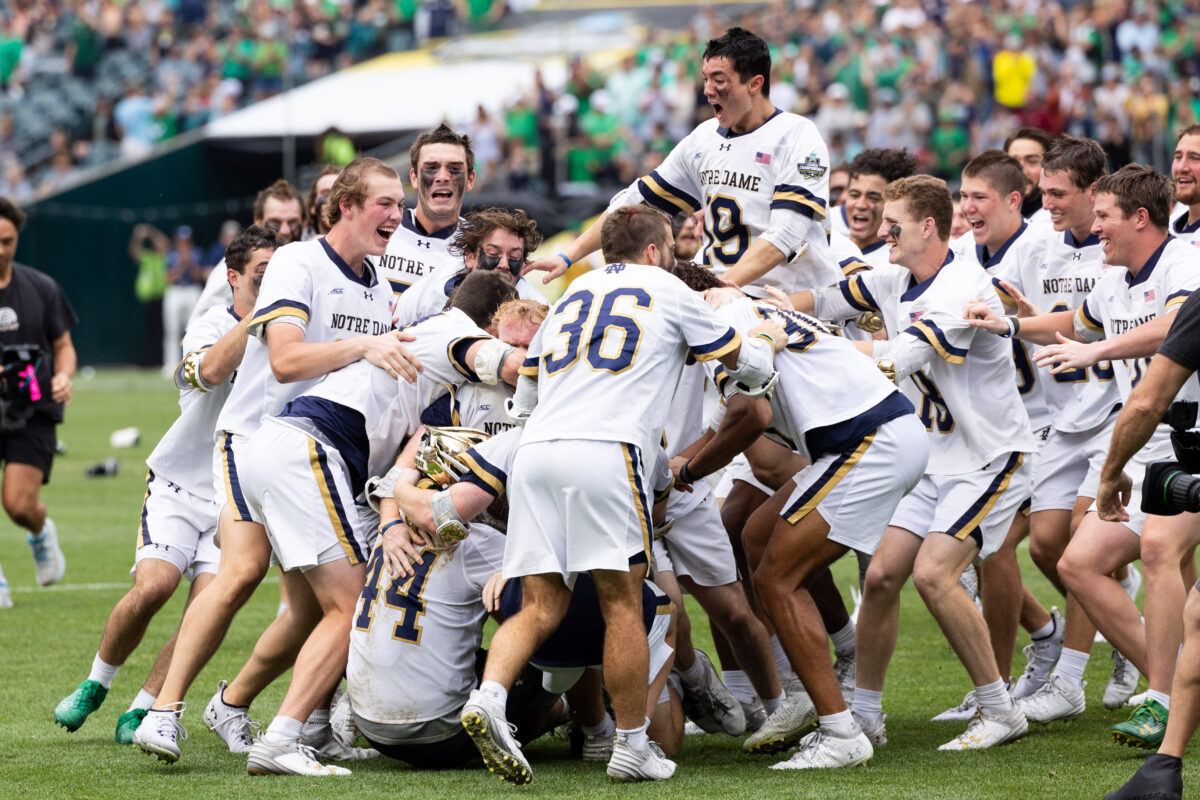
(811, 167)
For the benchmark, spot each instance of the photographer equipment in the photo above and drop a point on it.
(19, 388)
(1171, 487)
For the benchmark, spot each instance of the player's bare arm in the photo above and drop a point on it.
(1040, 329)
(745, 420)
(555, 266)
(759, 259)
(64, 368)
(223, 358)
(1141, 342)
(293, 359)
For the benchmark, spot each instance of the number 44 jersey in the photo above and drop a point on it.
(609, 356)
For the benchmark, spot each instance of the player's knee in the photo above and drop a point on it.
(21, 506)
(1045, 555)
(1159, 552)
(1073, 571)
(932, 580)
(880, 581)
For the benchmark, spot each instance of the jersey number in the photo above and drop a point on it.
(728, 236)
(403, 594)
(609, 340)
(1101, 369)
(933, 406)
(802, 330)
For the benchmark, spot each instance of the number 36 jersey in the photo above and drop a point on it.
(609, 356)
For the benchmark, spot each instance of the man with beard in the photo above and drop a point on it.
(1028, 146)
(1185, 171)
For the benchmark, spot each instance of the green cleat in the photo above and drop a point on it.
(73, 710)
(127, 723)
(1144, 728)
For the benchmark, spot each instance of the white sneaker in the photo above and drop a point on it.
(328, 748)
(712, 706)
(964, 710)
(231, 723)
(1132, 583)
(160, 732)
(5, 591)
(843, 667)
(287, 758)
(48, 561)
(600, 747)
(628, 765)
(984, 731)
(485, 723)
(692, 729)
(1123, 681)
(1040, 658)
(822, 750)
(794, 717)
(1138, 699)
(875, 731)
(1057, 699)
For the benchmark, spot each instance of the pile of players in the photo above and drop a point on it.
(410, 431)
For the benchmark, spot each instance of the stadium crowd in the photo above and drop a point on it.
(404, 400)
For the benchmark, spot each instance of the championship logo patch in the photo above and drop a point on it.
(811, 167)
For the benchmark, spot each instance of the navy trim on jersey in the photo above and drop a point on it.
(664, 203)
(233, 314)
(845, 217)
(915, 289)
(484, 474)
(844, 437)
(410, 221)
(454, 281)
(704, 349)
(457, 352)
(994, 259)
(1090, 240)
(809, 205)
(440, 412)
(855, 292)
(343, 427)
(281, 308)
(349, 542)
(235, 483)
(928, 331)
(871, 248)
(729, 134)
(367, 279)
(398, 287)
(968, 524)
(1180, 225)
(1083, 309)
(1147, 268)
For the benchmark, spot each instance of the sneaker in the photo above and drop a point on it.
(1123, 682)
(287, 758)
(755, 715)
(5, 591)
(48, 561)
(231, 723)
(822, 750)
(692, 729)
(985, 730)
(600, 748)
(73, 710)
(1144, 728)
(794, 718)
(964, 710)
(1159, 777)
(160, 732)
(843, 667)
(713, 707)
(127, 723)
(875, 731)
(1132, 583)
(1057, 699)
(628, 765)
(485, 723)
(1040, 658)
(328, 748)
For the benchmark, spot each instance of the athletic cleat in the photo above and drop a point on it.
(1057, 699)
(73, 710)
(231, 723)
(875, 731)
(484, 721)
(1123, 681)
(49, 564)
(1132, 582)
(1144, 728)
(1158, 778)
(755, 715)
(599, 748)
(964, 710)
(822, 750)
(843, 667)
(160, 732)
(1040, 658)
(127, 724)
(629, 766)
(287, 758)
(985, 730)
(713, 707)
(692, 729)
(794, 718)
(328, 748)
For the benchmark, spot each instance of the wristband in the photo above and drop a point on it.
(390, 524)
(685, 474)
(1012, 328)
(768, 337)
(1016, 325)
(566, 260)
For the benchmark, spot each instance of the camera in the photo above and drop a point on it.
(1171, 487)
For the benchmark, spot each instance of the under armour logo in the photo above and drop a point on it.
(726, 146)
(368, 296)
(1076, 256)
(421, 243)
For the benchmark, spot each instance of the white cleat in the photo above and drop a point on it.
(964, 710)
(984, 731)
(1055, 700)
(794, 718)
(485, 723)
(49, 564)
(600, 748)
(288, 758)
(822, 750)
(159, 734)
(1132, 583)
(1123, 681)
(692, 729)
(231, 723)
(875, 730)
(1040, 658)
(628, 765)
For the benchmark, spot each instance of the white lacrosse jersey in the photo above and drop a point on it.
(1120, 302)
(413, 638)
(429, 295)
(365, 414)
(746, 183)
(849, 259)
(412, 252)
(184, 454)
(309, 285)
(1023, 246)
(471, 405)
(838, 221)
(1056, 276)
(967, 395)
(608, 358)
(1182, 230)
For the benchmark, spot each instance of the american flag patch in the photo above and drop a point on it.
(913, 316)
(1148, 296)
(762, 158)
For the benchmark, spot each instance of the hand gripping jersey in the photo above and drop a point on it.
(1120, 302)
(412, 253)
(748, 184)
(429, 295)
(608, 358)
(309, 285)
(413, 639)
(184, 454)
(966, 394)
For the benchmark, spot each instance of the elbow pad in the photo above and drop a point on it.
(789, 232)
(382, 487)
(524, 400)
(448, 524)
(489, 360)
(755, 372)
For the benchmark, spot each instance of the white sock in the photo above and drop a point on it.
(738, 683)
(605, 728)
(103, 673)
(635, 738)
(693, 676)
(839, 724)
(1070, 667)
(770, 704)
(994, 697)
(1163, 700)
(843, 640)
(144, 700)
(283, 729)
(316, 725)
(495, 692)
(1046, 631)
(868, 704)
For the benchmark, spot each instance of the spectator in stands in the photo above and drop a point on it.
(185, 279)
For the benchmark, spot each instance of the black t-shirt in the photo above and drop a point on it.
(1182, 342)
(34, 310)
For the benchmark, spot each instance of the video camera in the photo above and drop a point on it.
(1171, 487)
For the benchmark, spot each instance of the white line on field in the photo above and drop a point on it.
(90, 587)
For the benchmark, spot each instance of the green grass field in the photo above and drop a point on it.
(48, 639)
